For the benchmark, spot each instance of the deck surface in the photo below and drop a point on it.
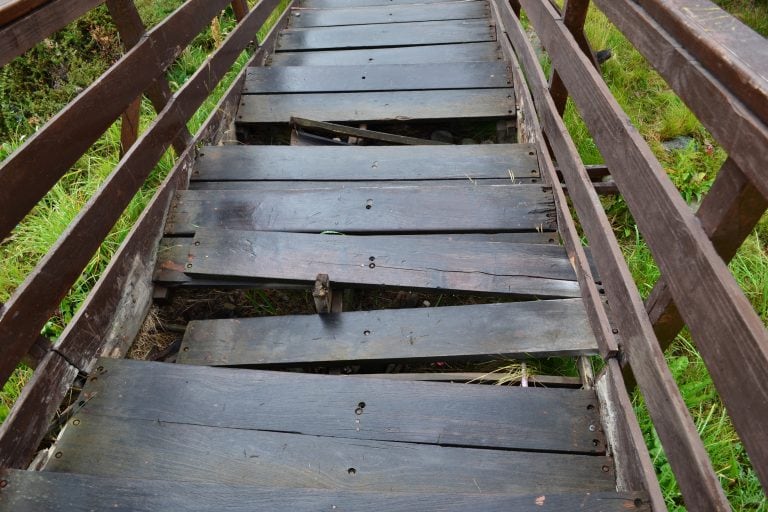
(333, 411)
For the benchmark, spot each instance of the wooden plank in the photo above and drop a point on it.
(359, 209)
(340, 407)
(478, 378)
(728, 214)
(303, 18)
(518, 269)
(123, 447)
(31, 491)
(53, 149)
(383, 35)
(735, 126)
(23, 33)
(352, 132)
(385, 77)
(272, 187)
(33, 303)
(511, 330)
(469, 52)
(378, 106)
(726, 47)
(341, 4)
(365, 163)
(10, 10)
(709, 298)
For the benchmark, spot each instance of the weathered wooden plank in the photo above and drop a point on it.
(341, 4)
(383, 35)
(16, 37)
(384, 77)
(10, 10)
(469, 52)
(33, 303)
(518, 269)
(31, 491)
(271, 187)
(378, 106)
(709, 299)
(365, 163)
(356, 208)
(303, 18)
(56, 147)
(302, 126)
(478, 378)
(338, 406)
(726, 47)
(122, 447)
(513, 330)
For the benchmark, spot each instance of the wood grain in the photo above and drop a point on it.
(302, 18)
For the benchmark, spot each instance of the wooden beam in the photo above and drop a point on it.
(11, 10)
(673, 422)
(129, 126)
(23, 33)
(240, 8)
(59, 144)
(709, 299)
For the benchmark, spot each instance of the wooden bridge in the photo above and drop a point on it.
(339, 161)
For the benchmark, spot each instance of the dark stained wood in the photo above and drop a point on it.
(726, 47)
(340, 4)
(546, 381)
(131, 28)
(383, 35)
(518, 269)
(359, 133)
(25, 32)
(710, 300)
(384, 77)
(511, 330)
(433, 208)
(728, 214)
(531, 130)
(634, 469)
(327, 405)
(734, 125)
(129, 126)
(470, 52)
(302, 18)
(36, 299)
(123, 448)
(10, 10)
(240, 9)
(378, 106)
(31, 491)
(40, 398)
(365, 163)
(271, 187)
(56, 147)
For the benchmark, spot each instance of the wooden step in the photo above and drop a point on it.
(336, 4)
(384, 77)
(303, 18)
(427, 413)
(124, 447)
(377, 106)
(511, 330)
(466, 52)
(33, 491)
(366, 163)
(385, 35)
(527, 270)
(357, 208)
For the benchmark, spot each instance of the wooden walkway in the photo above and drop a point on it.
(225, 429)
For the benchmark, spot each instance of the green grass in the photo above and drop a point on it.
(660, 115)
(80, 53)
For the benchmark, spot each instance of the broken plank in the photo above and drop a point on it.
(122, 448)
(479, 267)
(361, 133)
(510, 330)
(340, 407)
(384, 77)
(378, 106)
(365, 163)
(464, 207)
(303, 18)
(469, 52)
(33, 491)
(384, 35)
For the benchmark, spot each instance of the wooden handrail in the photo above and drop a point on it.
(708, 297)
(11, 10)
